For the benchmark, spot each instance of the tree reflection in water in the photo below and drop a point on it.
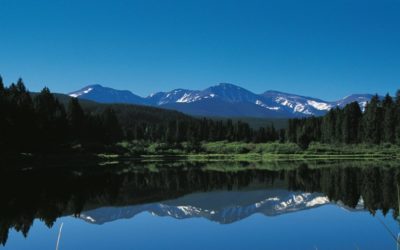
(48, 194)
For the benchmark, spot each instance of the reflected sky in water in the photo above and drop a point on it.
(326, 227)
(332, 207)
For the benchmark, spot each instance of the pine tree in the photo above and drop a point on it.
(76, 119)
(21, 86)
(111, 126)
(389, 119)
(339, 127)
(292, 130)
(171, 132)
(282, 135)
(21, 113)
(2, 98)
(397, 117)
(2, 88)
(304, 139)
(51, 120)
(3, 118)
(328, 126)
(372, 120)
(352, 116)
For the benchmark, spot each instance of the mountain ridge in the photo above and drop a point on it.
(224, 100)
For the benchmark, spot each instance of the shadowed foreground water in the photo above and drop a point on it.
(203, 206)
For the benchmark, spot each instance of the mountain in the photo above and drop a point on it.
(223, 207)
(361, 99)
(297, 104)
(174, 96)
(102, 94)
(224, 100)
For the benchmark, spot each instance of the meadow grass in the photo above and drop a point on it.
(242, 151)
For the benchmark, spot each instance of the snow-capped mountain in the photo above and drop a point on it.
(224, 91)
(224, 100)
(102, 94)
(174, 96)
(361, 99)
(220, 206)
(297, 104)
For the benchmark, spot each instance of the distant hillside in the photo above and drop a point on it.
(131, 111)
(162, 115)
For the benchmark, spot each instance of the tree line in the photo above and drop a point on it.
(39, 122)
(378, 123)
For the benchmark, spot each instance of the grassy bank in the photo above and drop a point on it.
(240, 151)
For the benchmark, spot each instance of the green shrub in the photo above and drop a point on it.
(277, 148)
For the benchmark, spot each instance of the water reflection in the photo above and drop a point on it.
(220, 192)
(220, 206)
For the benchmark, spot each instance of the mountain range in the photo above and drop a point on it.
(224, 100)
(223, 207)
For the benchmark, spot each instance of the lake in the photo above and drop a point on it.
(213, 205)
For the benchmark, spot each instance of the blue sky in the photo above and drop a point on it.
(326, 49)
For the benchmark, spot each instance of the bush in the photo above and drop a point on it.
(224, 147)
(278, 148)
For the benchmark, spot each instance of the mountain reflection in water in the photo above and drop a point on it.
(220, 206)
(221, 194)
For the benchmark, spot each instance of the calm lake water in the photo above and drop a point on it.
(319, 205)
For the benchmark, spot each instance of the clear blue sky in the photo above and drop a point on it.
(326, 49)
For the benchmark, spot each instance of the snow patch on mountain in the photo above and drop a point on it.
(295, 106)
(82, 92)
(188, 98)
(319, 105)
(260, 103)
(317, 201)
(285, 102)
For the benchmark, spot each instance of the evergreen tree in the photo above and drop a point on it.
(111, 126)
(328, 126)
(304, 139)
(180, 131)
(51, 120)
(379, 123)
(397, 117)
(339, 126)
(2, 89)
(292, 130)
(389, 119)
(76, 119)
(21, 114)
(352, 116)
(372, 121)
(3, 118)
